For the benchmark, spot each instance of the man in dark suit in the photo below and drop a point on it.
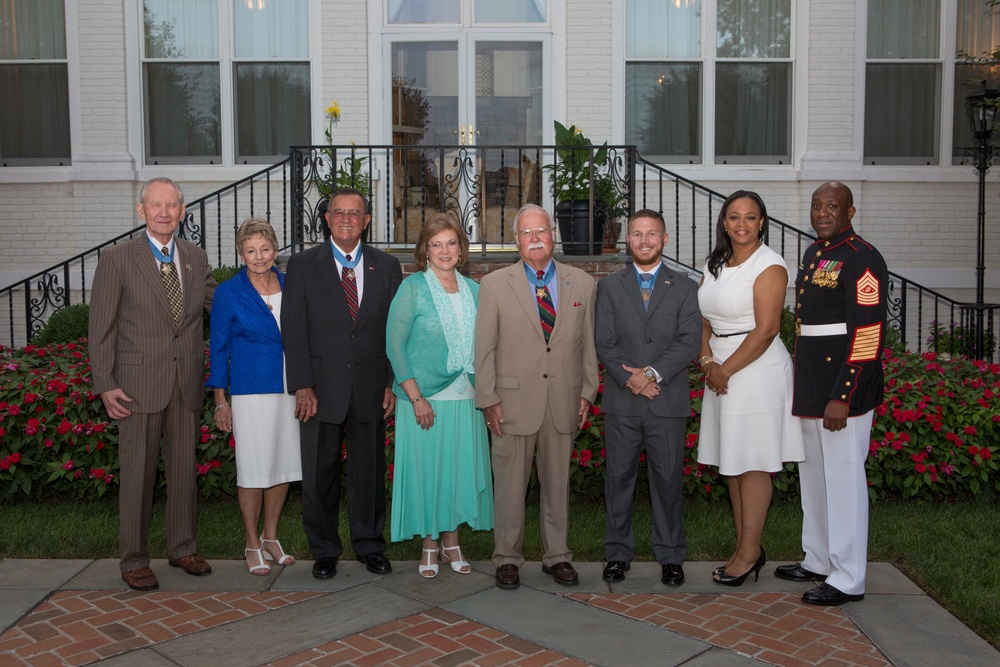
(648, 329)
(536, 376)
(335, 304)
(148, 364)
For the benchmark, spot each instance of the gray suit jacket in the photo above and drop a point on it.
(517, 368)
(325, 349)
(666, 337)
(134, 342)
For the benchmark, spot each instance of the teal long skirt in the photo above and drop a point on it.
(441, 476)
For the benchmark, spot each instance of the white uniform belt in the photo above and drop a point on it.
(823, 329)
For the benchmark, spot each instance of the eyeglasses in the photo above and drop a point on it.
(538, 231)
(437, 245)
(352, 213)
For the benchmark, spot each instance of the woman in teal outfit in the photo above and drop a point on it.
(442, 474)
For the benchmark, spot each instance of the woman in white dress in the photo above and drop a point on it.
(747, 427)
(246, 358)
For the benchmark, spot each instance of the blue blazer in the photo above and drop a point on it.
(245, 350)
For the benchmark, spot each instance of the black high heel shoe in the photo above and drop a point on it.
(733, 580)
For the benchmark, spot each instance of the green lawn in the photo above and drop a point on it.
(951, 550)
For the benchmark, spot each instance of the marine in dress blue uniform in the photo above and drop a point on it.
(840, 317)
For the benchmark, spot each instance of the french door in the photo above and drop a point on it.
(469, 109)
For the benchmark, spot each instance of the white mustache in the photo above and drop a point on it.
(536, 246)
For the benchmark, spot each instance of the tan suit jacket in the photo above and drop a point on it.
(134, 342)
(514, 365)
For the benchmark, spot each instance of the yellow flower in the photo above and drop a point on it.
(333, 111)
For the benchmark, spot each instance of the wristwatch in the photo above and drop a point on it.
(649, 373)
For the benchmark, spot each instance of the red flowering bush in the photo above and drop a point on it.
(56, 440)
(935, 437)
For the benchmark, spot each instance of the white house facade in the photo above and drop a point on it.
(97, 96)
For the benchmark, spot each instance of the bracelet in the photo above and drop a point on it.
(706, 359)
(414, 400)
(219, 406)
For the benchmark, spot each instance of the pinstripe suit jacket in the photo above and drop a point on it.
(517, 368)
(134, 342)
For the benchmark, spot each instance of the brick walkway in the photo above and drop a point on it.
(82, 627)
(776, 628)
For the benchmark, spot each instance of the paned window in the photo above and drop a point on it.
(743, 75)
(34, 87)
(234, 69)
(903, 82)
(977, 42)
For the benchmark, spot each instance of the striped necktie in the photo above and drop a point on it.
(350, 284)
(172, 283)
(546, 311)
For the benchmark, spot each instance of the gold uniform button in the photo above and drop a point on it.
(805, 279)
(848, 384)
(802, 291)
(843, 395)
(799, 320)
(825, 244)
(852, 371)
(812, 266)
(829, 359)
(820, 252)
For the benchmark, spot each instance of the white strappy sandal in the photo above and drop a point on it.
(459, 564)
(283, 559)
(261, 563)
(428, 571)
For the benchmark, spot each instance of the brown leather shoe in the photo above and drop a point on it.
(507, 577)
(141, 579)
(563, 573)
(193, 564)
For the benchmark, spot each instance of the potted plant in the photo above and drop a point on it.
(574, 175)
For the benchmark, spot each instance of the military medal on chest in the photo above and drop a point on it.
(827, 272)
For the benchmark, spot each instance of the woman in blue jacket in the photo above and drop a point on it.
(246, 358)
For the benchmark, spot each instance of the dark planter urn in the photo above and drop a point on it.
(573, 218)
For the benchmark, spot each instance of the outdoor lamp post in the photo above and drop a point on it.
(982, 109)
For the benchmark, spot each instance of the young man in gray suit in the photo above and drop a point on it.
(148, 364)
(335, 305)
(536, 376)
(648, 328)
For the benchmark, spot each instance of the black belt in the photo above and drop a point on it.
(738, 333)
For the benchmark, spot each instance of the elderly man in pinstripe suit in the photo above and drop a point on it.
(147, 361)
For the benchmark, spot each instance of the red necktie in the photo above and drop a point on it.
(350, 290)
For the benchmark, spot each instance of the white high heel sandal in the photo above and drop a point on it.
(428, 571)
(283, 559)
(459, 564)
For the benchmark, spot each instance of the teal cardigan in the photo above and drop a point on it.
(415, 342)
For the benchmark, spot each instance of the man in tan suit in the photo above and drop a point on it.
(536, 376)
(147, 361)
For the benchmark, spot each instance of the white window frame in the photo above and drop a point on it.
(135, 58)
(710, 167)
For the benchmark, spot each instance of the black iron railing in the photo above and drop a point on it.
(482, 187)
(923, 319)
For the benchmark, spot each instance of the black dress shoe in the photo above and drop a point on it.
(507, 577)
(325, 567)
(825, 594)
(673, 575)
(376, 563)
(615, 570)
(797, 573)
(563, 573)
